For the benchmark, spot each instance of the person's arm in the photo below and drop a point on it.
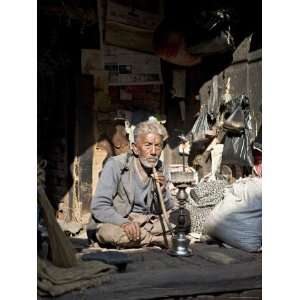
(162, 180)
(102, 202)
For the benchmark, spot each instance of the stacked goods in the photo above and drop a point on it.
(237, 220)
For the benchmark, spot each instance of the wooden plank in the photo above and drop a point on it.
(85, 141)
(85, 179)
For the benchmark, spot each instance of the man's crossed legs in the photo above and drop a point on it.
(151, 229)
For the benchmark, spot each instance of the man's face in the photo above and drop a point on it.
(148, 148)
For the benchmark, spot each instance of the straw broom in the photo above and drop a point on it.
(62, 251)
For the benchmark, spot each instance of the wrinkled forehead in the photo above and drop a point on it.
(152, 138)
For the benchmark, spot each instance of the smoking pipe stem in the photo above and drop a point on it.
(162, 204)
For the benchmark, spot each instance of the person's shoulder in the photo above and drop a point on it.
(112, 166)
(121, 161)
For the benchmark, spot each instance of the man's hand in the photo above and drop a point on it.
(161, 179)
(132, 230)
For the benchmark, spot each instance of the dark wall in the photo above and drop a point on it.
(61, 35)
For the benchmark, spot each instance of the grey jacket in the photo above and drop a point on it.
(122, 201)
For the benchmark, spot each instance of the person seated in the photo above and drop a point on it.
(126, 206)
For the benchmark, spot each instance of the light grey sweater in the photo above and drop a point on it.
(102, 202)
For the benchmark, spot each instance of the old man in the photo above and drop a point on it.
(125, 205)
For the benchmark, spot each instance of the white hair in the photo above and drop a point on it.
(150, 126)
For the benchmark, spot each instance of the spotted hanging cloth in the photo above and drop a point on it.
(203, 198)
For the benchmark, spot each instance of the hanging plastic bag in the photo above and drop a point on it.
(237, 150)
(237, 144)
(200, 126)
(236, 121)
